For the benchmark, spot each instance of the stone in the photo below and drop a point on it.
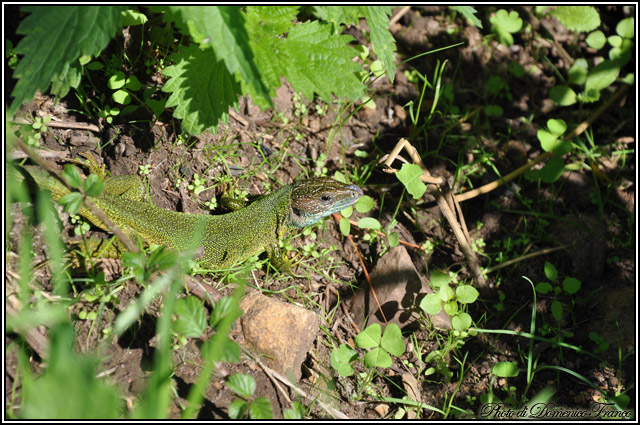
(283, 333)
(399, 288)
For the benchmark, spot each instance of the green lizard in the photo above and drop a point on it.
(222, 240)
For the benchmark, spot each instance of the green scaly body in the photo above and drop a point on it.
(219, 241)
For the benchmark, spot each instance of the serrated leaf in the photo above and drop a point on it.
(562, 95)
(578, 18)
(229, 352)
(369, 337)
(191, 318)
(72, 202)
(602, 75)
(461, 322)
(392, 340)
(72, 176)
(202, 90)
(409, 175)
(237, 408)
(226, 306)
(132, 17)
(328, 69)
(505, 370)
(55, 37)
(377, 358)
(383, 42)
(338, 15)
(260, 409)
(466, 294)
(93, 185)
(241, 384)
(431, 304)
(223, 28)
(469, 12)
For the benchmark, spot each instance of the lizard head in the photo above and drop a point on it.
(313, 199)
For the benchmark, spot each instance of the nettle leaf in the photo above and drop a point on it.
(241, 384)
(578, 18)
(55, 37)
(469, 12)
(260, 408)
(409, 175)
(383, 42)
(348, 15)
(320, 62)
(202, 90)
(223, 28)
(191, 317)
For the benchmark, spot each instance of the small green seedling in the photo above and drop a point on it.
(503, 24)
(451, 301)
(247, 407)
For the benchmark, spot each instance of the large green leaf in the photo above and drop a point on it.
(56, 37)
(311, 57)
(222, 28)
(383, 43)
(202, 90)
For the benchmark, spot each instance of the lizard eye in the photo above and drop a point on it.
(325, 198)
